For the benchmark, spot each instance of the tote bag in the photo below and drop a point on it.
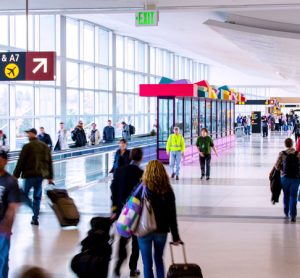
(130, 214)
(147, 222)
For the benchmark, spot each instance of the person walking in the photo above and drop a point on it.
(94, 135)
(162, 198)
(204, 145)
(78, 135)
(125, 180)
(248, 125)
(125, 131)
(9, 203)
(175, 148)
(34, 165)
(3, 141)
(296, 131)
(289, 166)
(62, 138)
(45, 137)
(108, 133)
(265, 126)
(122, 156)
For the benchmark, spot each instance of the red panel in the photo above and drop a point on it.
(203, 83)
(40, 65)
(168, 90)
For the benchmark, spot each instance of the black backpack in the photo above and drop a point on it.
(290, 167)
(131, 129)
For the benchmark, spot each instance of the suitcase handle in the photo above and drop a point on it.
(183, 249)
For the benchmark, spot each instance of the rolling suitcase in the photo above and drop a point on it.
(184, 270)
(64, 207)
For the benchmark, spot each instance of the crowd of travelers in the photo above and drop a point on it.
(271, 122)
(78, 134)
(132, 190)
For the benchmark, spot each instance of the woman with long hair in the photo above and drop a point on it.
(162, 198)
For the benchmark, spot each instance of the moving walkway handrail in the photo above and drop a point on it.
(89, 150)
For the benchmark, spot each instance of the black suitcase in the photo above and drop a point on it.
(183, 270)
(63, 207)
(93, 260)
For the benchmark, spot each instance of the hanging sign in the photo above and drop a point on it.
(32, 66)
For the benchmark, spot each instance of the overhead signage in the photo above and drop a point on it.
(146, 18)
(31, 66)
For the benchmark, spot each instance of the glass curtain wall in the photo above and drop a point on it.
(98, 76)
(25, 104)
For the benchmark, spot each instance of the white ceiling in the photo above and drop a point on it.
(263, 43)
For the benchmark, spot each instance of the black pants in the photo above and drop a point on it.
(122, 252)
(205, 164)
(265, 131)
(297, 135)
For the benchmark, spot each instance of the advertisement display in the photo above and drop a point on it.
(256, 121)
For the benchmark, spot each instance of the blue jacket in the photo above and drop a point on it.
(120, 160)
(108, 134)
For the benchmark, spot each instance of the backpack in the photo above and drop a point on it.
(290, 165)
(131, 130)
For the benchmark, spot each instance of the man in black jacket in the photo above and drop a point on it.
(125, 180)
(34, 165)
(45, 137)
(78, 135)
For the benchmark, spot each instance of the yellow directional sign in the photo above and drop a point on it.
(11, 71)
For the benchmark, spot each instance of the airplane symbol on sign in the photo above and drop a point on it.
(42, 63)
(11, 71)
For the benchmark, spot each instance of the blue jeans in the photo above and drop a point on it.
(4, 247)
(175, 158)
(36, 184)
(145, 243)
(248, 129)
(290, 190)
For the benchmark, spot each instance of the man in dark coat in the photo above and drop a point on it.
(34, 165)
(45, 137)
(78, 135)
(125, 180)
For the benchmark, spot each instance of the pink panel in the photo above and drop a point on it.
(168, 90)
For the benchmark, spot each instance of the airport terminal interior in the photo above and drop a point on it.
(87, 74)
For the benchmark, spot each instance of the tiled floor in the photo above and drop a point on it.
(228, 223)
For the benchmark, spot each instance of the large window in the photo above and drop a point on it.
(89, 59)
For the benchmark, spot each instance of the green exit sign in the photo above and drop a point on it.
(146, 18)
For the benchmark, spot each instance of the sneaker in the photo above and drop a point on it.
(173, 175)
(202, 177)
(207, 178)
(134, 273)
(177, 178)
(293, 219)
(34, 222)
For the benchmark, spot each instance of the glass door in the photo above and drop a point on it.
(165, 125)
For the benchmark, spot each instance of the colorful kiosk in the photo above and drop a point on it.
(190, 107)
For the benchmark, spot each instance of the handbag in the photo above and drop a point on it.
(147, 222)
(130, 214)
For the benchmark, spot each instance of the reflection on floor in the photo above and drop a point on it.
(228, 223)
